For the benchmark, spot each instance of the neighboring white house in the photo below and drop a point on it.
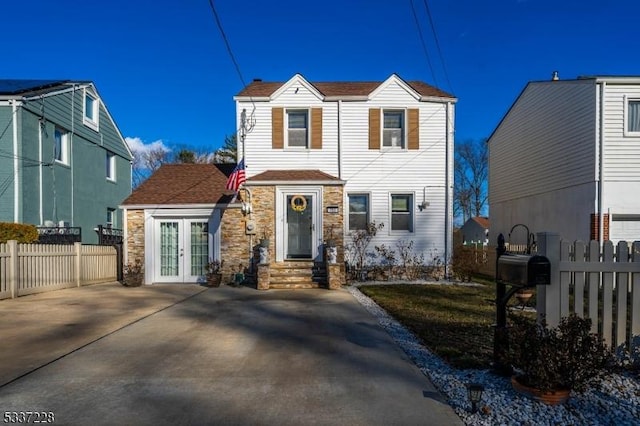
(475, 231)
(566, 159)
(389, 144)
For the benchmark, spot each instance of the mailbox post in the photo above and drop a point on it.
(517, 271)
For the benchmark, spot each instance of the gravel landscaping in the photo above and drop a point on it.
(615, 401)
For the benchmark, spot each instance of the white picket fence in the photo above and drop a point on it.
(596, 282)
(35, 268)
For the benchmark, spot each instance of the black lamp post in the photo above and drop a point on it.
(475, 395)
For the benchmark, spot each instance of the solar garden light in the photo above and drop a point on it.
(475, 395)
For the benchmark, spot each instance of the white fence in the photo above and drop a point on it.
(597, 282)
(35, 268)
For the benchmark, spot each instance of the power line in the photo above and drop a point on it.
(424, 44)
(435, 37)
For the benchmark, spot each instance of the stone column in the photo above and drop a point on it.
(334, 280)
(264, 276)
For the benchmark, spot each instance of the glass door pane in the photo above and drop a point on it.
(169, 249)
(199, 236)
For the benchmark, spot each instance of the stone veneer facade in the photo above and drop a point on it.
(135, 235)
(237, 247)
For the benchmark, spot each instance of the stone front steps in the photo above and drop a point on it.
(297, 274)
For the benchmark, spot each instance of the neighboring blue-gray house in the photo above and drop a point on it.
(63, 160)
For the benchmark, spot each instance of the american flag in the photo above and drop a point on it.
(237, 177)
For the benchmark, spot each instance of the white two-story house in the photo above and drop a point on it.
(566, 159)
(327, 158)
(322, 160)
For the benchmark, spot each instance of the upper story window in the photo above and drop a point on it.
(358, 211)
(298, 128)
(632, 127)
(61, 149)
(402, 212)
(91, 111)
(111, 166)
(393, 129)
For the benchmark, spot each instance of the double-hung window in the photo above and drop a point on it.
(632, 127)
(298, 128)
(393, 129)
(91, 111)
(111, 166)
(402, 212)
(358, 211)
(61, 148)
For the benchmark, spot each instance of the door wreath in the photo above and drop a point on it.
(298, 203)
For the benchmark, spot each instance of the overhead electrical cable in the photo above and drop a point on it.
(424, 44)
(435, 37)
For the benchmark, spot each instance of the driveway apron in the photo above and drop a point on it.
(238, 356)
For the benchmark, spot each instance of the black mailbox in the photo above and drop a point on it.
(522, 270)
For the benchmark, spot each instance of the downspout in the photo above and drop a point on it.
(601, 166)
(339, 139)
(70, 151)
(16, 165)
(447, 209)
(40, 194)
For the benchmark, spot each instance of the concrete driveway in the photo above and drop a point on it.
(209, 356)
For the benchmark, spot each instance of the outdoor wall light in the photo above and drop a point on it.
(475, 395)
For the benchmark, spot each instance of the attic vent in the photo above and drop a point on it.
(257, 80)
(554, 76)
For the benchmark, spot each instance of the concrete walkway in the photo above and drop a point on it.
(192, 355)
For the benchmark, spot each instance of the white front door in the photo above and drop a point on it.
(181, 249)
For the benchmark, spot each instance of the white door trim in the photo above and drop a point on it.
(152, 216)
(281, 216)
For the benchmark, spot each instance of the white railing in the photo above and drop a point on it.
(596, 282)
(35, 268)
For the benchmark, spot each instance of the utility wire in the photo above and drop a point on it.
(435, 37)
(424, 44)
(229, 50)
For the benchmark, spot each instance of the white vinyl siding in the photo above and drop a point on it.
(377, 173)
(621, 160)
(547, 141)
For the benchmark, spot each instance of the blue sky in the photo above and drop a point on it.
(163, 70)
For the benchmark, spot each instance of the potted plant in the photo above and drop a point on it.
(133, 274)
(523, 295)
(552, 362)
(213, 273)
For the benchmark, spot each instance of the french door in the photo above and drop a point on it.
(181, 249)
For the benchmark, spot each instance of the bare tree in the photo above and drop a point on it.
(471, 176)
(146, 162)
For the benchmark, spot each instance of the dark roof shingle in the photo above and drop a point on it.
(292, 176)
(184, 184)
(258, 88)
(17, 87)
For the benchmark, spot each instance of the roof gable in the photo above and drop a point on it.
(394, 79)
(341, 89)
(297, 80)
(184, 184)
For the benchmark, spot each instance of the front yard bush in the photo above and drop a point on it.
(18, 231)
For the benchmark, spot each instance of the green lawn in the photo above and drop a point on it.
(453, 321)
